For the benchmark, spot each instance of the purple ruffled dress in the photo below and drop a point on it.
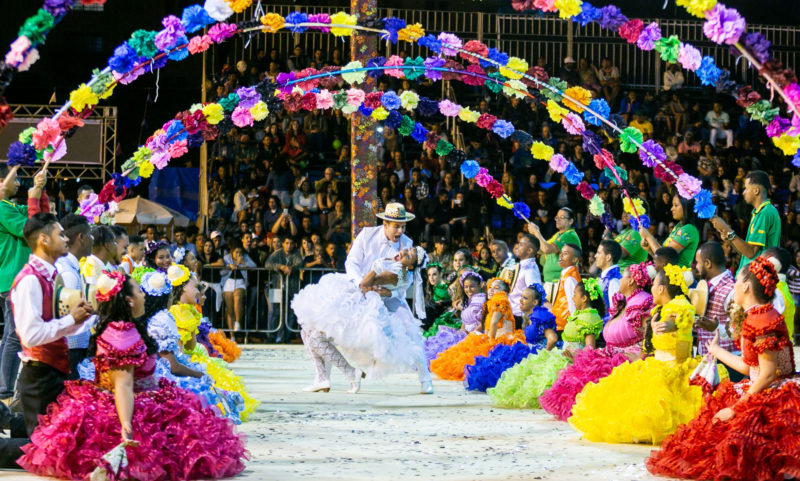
(447, 336)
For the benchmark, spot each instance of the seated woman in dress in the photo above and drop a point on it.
(646, 400)
(166, 432)
(470, 304)
(748, 430)
(630, 313)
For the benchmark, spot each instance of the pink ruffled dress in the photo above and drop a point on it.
(623, 336)
(179, 438)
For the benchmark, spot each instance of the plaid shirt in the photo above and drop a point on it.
(720, 288)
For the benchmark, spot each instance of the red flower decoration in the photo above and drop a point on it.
(373, 100)
(293, 102)
(486, 121)
(309, 101)
(331, 81)
(585, 190)
(66, 122)
(781, 76)
(631, 29)
(495, 189)
(476, 47)
(746, 97)
(5, 113)
(307, 84)
(604, 159)
(452, 64)
(471, 79)
(109, 193)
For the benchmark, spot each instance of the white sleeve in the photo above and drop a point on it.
(532, 275)
(778, 303)
(353, 265)
(71, 281)
(32, 330)
(613, 288)
(569, 291)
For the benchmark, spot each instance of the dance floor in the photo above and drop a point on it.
(388, 431)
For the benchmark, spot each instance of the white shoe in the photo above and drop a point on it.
(355, 386)
(236, 326)
(427, 387)
(324, 386)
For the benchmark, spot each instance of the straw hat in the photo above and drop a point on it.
(64, 298)
(699, 297)
(396, 212)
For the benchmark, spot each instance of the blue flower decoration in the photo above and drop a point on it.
(365, 111)
(470, 168)
(295, 18)
(156, 64)
(608, 220)
(194, 18)
(796, 159)
(497, 56)
(634, 222)
(539, 290)
(611, 17)
(588, 14)
(419, 133)
(179, 54)
(195, 140)
(376, 62)
(708, 71)
(21, 154)
(427, 107)
(574, 176)
(390, 100)
(430, 42)
(124, 59)
(503, 128)
(155, 284)
(601, 107)
(644, 221)
(176, 131)
(521, 211)
(392, 25)
(703, 206)
(394, 119)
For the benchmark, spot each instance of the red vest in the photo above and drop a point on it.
(56, 353)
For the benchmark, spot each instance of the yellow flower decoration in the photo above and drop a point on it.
(178, 274)
(505, 201)
(259, 111)
(556, 111)
(636, 208)
(342, 18)
(109, 90)
(514, 68)
(787, 143)
(83, 97)
(214, 113)
(698, 8)
(146, 169)
(411, 33)
(468, 115)
(380, 113)
(272, 22)
(675, 276)
(353, 77)
(409, 100)
(580, 94)
(239, 6)
(515, 88)
(568, 8)
(187, 319)
(541, 151)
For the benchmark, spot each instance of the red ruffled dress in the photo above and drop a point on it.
(179, 438)
(762, 440)
(623, 337)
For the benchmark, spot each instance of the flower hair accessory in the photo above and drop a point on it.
(422, 257)
(765, 272)
(151, 247)
(539, 290)
(643, 274)
(467, 274)
(593, 288)
(676, 275)
(155, 284)
(179, 254)
(108, 285)
(178, 274)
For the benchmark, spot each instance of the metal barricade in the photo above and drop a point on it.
(267, 314)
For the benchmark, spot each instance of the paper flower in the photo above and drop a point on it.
(601, 107)
(427, 107)
(21, 154)
(199, 44)
(394, 61)
(392, 25)
(394, 119)
(515, 88)
(668, 48)
(219, 10)
(541, 151)
(588, 14)
(556, 111)
(482, 178)
(372, 100)
(247, 96)
(576, 98)
(432, 64)
(417, 68)
(573, 124)
(573, 175)
(631, 30)
(324, 100)
(486, 121)
(83, 97)
(757, 45)
(688, 186)
(476, 47)
(703, 206)
(221, 32)
(390, 101)
(214, 113)
(495, 82)
(708, 72)
(650, 34)
(411, 33)
(585, 190)
(474, 77)
(409, 99)
(450, 43)
(178, 148)
(787, 143)
(503, 128)
(419, 133)
(272, 22)
(47, 132)
(689, 57)
(353, 77)
(143, 41)
(495, 189)
(698, 8)
(723, 25)
(611, 17)
(37, 26)
(470, 168)
(448, 108)
(796, 159)
(596, 206)
(443, 147)
(295, 18)
(568, 8)
(241, 117)
(514, 68)
(146, 169)
(172, 31)
(629, 139)
(468, 115)
(558, 163)
(259, 111)
(498, 59)
(778, 126)
(195, 18)
(591, 142)
(545, 5)
(603, 159)
(649, 150)
(342, 18)
(379, 113)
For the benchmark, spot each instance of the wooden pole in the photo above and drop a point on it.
(363, 142)
(202, 219)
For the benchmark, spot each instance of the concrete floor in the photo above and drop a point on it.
(388, 431)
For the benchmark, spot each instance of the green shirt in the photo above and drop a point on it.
(632, 251)
(551, 271)
(14, 249)
(764, 230)
(686, 236)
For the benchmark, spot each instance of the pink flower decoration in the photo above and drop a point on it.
(483, 178)
(324, 100)
(585, 190)
(199, 44)
(631, 29)
(795, 129)
(792, 91)
(16, 55)
(477, 47)
(604, 159)
(558, 163)
(689, 57)
(449, 43)
(241, 117)
(178, 148)
(486, 121)
(307, 84)
(723, 25)
(448, 108)
(355, 97)
(221, 32)
(47, 131)
(30, 59)
(573, 124)
(160, 159)
(778, 126)
(471, 79)
(688, 186)
(320, 18)
(394, 61)
(59, 152)
(545, 5)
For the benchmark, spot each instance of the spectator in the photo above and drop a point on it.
(689, 146)
(718, 122)
(234, 285)
(210, 274)
(610, 80)
(673, 77)
(272, 214)
(418, 186)
(641, 122)
(678, 109)
(297, 61)
(285, 262)
(304, 200)
(569, 72)
(441, 255)
(629, 106)
(589, 79)
(338, 224)
(436, 215)
(179, 234)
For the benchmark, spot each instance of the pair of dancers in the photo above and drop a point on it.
(362, 317)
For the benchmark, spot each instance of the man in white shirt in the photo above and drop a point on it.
(526, 271)
(673, 77)
(718, 121)
(79, 245)
(104, 252)
(45, 355)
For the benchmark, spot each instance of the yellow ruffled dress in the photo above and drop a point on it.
(644, 401)
(187, 318)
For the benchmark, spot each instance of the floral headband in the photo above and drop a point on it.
(593, 288)
(108, 285)
(468, 274)
(179, 254)
(643, 274)
(151, 247)
(539, 290)
(178, 274)
(676, 277)
(766, 273)
(155, 284)
(434, 264)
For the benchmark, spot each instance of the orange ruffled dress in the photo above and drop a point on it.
(451, 363)
(761, 441)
